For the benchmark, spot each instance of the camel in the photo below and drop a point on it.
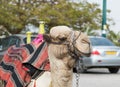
(65, 46)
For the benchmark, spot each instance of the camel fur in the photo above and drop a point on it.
(61, 62)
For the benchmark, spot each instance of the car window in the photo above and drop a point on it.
(101, 42)
(8, 41)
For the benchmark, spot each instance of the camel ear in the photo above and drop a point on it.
(47, 37)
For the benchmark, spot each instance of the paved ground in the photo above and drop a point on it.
(98, 78)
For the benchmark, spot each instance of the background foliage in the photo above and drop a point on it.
(84, 16)
(16, 14)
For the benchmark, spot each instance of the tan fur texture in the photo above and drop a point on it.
(61, 61)
(61, 67)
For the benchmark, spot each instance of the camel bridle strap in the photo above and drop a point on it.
(72, 50)
(75, 53)
(71, 46)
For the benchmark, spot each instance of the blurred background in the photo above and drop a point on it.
(89, 16)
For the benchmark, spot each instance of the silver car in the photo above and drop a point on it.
(104, 55)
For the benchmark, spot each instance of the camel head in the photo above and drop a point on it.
(77, 43)
(64, 46)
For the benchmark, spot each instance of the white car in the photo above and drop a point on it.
(104, 55)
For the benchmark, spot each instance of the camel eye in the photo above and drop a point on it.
(62, 39)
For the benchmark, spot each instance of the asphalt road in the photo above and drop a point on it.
(97, 78)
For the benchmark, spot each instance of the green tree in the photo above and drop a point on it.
(76, 15)
(16, 14)
(114, 37)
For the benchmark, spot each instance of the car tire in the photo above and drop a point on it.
(113, 70)
(80, 70)
(76, 70)
(79, 67)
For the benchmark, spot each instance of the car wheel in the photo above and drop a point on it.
(113, 70)
(76, 70)
(80, 70)
(79, 67)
